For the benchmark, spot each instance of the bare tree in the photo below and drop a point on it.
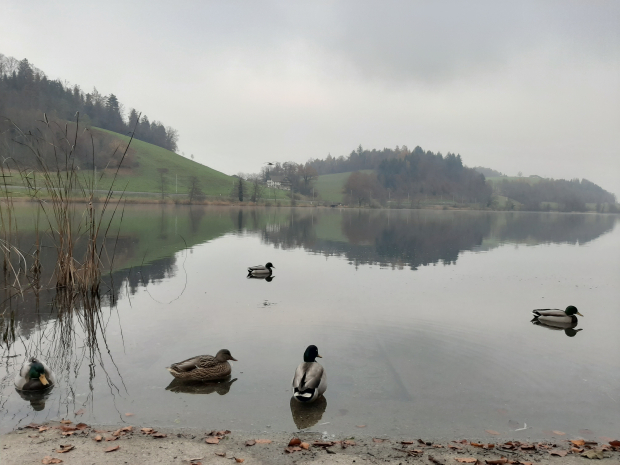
(194, 191)
(163, 180)
(256, 187)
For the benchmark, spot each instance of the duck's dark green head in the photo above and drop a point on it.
(311, 354)
(269, 265)
(37, 371)
(572, 310)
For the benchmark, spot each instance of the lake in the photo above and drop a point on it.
(422, 319)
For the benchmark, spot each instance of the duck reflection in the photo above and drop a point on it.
(568, 328)
(307, 415)
(201, 387)
(36, 398)
(266, 278)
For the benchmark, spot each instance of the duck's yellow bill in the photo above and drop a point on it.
(579, 314)
(43, 380)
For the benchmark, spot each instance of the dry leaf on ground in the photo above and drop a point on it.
(304, 445)
(349, 442)
(251, 442)
(98, 438)
(221, 454)
(263, 441)
(493, 432)
(112, 448)
(48, 459)
(80, 412)
(558, 452)
(147, 430)
(291, 449)
(437, 461)
(65, 448)
(613, 443)
(239, 460)
(66, 422)
(212, 440)
(406, 442)
(111, 438)
(379, 440)
(360, 426)
(81, 426)
(129, 414)
(294, 442)
(497, 461)
(322, 443)
(43, 428)
(578, 442)
(466, 460)
(159, 435)
(594, 454)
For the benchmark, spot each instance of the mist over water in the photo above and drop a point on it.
(422, 317)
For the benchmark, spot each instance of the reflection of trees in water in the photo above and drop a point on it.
(419, 238)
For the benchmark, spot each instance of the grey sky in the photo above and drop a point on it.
(515, 86)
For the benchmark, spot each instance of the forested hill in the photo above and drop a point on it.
(26, 93)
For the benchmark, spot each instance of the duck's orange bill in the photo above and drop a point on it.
(43, 380)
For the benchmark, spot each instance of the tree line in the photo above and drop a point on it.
(25, 91)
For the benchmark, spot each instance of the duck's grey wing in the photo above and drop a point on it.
(308, 376)
(257, 268)
(549, 312)
(200, 361)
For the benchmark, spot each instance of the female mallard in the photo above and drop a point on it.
(203, 367)
(556, 317)
(34, 375)
(310, 380)
(260, 270)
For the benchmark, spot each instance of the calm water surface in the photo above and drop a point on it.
(422, 319)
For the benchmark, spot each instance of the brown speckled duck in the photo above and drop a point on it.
(203, 367)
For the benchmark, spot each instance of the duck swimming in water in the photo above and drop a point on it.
(260, 270)
(203, 367)
(556, 317)
(34, 375)
(310, 380)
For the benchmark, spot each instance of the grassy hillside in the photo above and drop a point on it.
(145, 178)
(329, 186)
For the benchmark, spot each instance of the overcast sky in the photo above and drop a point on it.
(512, 85)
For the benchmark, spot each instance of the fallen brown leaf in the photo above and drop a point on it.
(66, 422)
(290, 450)
(68, 433)
(80, 412)
(251, 442)
(475, 444)
(159, 435)
(349, 442)
(212, 440)
(239, 460)
(559, 433)
(613, 443)
(33, 425)
(127, 428)
(128, 414)
(111, 438)
(48, 459)
(360, 426)
(493, 432)
(294, 442)
(221, 454)
(452, 446)
(576, 450)
(65, 448)
(466, 460)
(322, 443)
(406, 442)
(81, 426)
(558, 452)
(43, 428)
(497, 461)
(594, 454)
(489, 446)
(263, 441)
(98, 438)
(304, 445)
(379, 440)
(112, 448)
(147, 430)
(578, 442)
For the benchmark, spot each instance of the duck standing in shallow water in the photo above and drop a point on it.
(310, 380)
(203, 367)
(556, 317)
(34, 375)
(260, 271)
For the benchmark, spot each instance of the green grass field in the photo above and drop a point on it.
(329, 186)
(146, 178)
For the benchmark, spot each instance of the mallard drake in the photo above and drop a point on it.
(34, 375)
(555, 317)
(203, 367)
(310, 380)
(260, 270)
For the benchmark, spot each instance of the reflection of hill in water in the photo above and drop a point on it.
(419, 238)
